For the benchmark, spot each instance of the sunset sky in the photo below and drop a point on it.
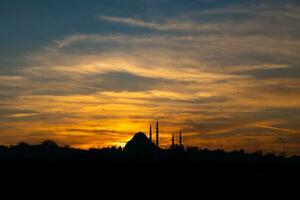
(91, 73)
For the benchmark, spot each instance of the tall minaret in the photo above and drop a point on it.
(173, 141)
(180, 139)
(157, 136)
(150, 133)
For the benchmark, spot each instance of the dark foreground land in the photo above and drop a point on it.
(63, 164)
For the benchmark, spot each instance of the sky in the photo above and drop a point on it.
(92, 73)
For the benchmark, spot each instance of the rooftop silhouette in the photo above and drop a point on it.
(140, 144)
(140, 155)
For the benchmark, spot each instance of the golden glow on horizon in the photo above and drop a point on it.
(112, 118)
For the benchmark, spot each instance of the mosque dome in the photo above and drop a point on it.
(140, 144)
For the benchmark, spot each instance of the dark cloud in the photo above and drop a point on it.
(290, 72)
(95, 131)
(122, 81)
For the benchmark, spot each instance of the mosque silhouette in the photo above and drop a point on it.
(141, 144)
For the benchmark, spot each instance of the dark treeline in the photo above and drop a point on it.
(174, 162)
(50, 151)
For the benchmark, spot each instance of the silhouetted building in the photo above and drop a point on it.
(173, 141)
(177, 147)
(180, 140)
(140, 145)
(150, 133)
(157, 134)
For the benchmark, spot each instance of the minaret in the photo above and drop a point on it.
(180, 140)
(157, 136)
(150, 133)
(173, 141)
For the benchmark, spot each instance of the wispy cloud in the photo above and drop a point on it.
(133, 22)
(20, 115)
(94, 38)
(167, 25)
